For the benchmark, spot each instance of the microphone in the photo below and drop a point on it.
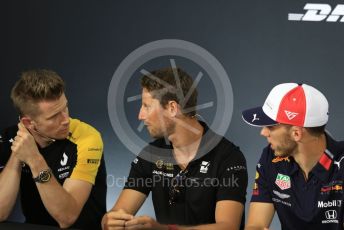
(42, 135)
(39, 133)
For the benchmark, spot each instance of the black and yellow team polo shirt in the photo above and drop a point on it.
(189, 197)
(315, 203)
(79, 156)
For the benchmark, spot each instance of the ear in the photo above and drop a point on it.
(173, 108)
(296, 133)
(27, 122)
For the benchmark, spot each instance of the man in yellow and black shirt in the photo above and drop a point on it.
(54, 161)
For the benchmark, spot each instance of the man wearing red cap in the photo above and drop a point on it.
(300, 173)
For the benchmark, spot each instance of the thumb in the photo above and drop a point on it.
(22, 127)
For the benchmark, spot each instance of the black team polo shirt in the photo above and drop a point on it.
(219, 174)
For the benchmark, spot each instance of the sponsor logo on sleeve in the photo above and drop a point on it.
(236, 168)
(257, 175)
(93, 149)
(93, 161)
(255, 191)
(135, 160)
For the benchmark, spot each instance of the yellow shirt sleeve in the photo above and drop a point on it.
(89, 150)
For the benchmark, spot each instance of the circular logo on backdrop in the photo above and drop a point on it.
(220, 102)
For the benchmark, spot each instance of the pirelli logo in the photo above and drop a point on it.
(92, 161)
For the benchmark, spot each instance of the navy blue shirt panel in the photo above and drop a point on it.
(315, 203)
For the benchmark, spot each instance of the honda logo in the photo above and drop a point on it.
(331, 214)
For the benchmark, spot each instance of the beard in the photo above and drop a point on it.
(166, 128)
(286, 148)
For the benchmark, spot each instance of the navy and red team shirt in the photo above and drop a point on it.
(315, 203)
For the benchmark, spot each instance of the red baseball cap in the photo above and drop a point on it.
(290, 103)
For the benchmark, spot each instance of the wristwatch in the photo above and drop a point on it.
(43, 176)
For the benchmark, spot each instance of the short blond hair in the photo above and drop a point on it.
(35, 86)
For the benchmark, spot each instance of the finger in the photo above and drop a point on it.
(140, 220)
(19, 133)
(116, 219)
(137, 224)
(20, 138)
(22, 127)
(135, 227)
(22, 134)
(113, 228)
(119, 216)
(115, 223)
(13, 148)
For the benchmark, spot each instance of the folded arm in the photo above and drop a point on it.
(64, 203)
(9, 186)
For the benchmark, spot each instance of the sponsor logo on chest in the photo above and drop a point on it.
(276, 200)
(333, 187)
(281, 195)
(283, 181)
(63, 175)
(63, 171)
(64, 160)
(156, 172)
(160, 164)
(204, 167)
(331, 217)
(329, 204)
